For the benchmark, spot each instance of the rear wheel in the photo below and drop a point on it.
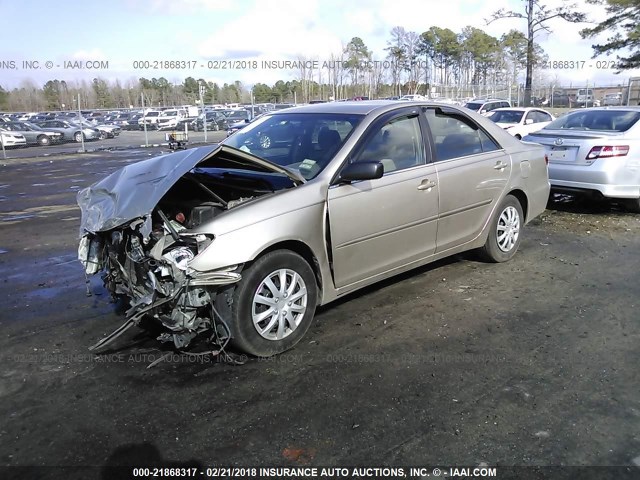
(78, 137)
(272, 307)
(504, 234)
(633, 205)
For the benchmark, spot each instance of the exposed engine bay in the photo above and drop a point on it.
(145, 260)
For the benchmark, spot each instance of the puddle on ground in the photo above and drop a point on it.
(2, 250)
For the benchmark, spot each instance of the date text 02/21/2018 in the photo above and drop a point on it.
(192, 64)
(577, 64)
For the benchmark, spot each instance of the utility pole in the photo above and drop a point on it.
(144, 120)
(81, 126)
(201, 89)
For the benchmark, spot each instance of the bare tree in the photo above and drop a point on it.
(537, 15)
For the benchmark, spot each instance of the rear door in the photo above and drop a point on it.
(379, 225)
(473, 171)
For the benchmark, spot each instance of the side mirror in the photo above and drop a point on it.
(528, 121)
(361, 171)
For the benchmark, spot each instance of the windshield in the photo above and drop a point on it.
(608, 120)
(506, 116)
(303, 142)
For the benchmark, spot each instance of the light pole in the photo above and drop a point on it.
(201, 90)
(144, 120)
(81, 126)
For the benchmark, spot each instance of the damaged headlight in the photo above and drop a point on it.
(180, 257)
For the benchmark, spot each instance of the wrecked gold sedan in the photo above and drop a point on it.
(241, 241)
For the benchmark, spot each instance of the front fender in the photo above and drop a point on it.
(245, 244)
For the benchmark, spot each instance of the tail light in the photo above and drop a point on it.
(608, 151)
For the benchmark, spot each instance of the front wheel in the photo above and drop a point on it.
(78, 137)
(504, 234)
(272, 307)
(44, 140)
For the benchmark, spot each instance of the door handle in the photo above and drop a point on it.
(426, 184)
(500, 165)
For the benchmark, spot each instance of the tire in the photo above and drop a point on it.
(633, 205)
(103, 135)
(265, 142)
(44, 140)
(78, 137)
(518, 136)
(248, 305)
(509, 220)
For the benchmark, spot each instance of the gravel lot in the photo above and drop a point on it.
(532, 362)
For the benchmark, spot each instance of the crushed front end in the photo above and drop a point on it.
(152, 274)
(143, 224)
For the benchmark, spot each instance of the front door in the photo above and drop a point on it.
(379, 225)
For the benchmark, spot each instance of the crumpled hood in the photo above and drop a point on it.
(134, 190)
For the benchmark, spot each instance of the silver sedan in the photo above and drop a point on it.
(595, 150)
(240, 243)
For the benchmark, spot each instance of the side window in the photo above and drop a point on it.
(457, 136)
(398, 144)
(532, 116)
(505, 105)
(488, 145)
(544, 117)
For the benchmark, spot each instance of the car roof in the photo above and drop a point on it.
(519, 109)
(353, 107)
(633, 108)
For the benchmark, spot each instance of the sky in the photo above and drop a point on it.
(208, 33)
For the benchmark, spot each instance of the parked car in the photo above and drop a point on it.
(520, 122)
(412, 98)
(168, 119)
(71, 131)
(483, 106)
(10, 139)
(33, 134)
(612, 100)
(105, 130)
(585, 97)
(595, 151)
(357, 197)
(133, 123)
(120, 119)
(236, 116)
(215, 121)
(150, 118)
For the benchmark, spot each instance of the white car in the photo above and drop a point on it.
(11, 139)
(520, 121)
(150, 118)
(169, 119)
(412, 98)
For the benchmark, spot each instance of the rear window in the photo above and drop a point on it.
(474, 106)
(607, 120)
(506, 116)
